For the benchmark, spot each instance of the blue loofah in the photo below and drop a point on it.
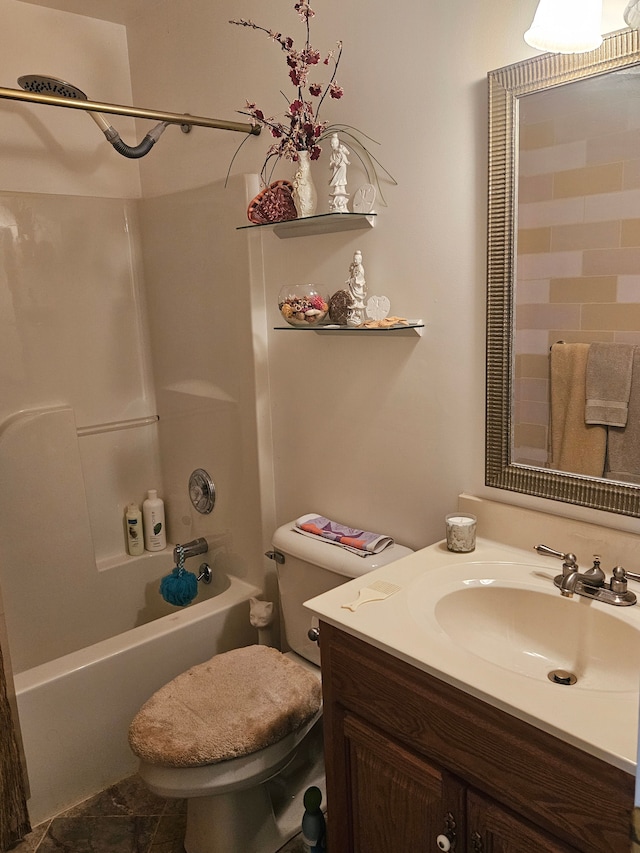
(180, 587)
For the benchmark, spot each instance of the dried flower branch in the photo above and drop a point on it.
(301, 128)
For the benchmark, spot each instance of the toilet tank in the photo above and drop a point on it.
(311, 567)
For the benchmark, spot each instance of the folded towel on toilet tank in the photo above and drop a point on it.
(361, 542)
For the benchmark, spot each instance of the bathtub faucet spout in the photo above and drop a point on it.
(190, 549)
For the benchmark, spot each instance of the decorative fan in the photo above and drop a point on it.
(274, 204)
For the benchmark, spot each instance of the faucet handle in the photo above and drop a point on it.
(618, 580)
(569, 560)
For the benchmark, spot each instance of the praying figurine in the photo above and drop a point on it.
(357, 287)
(338, 163)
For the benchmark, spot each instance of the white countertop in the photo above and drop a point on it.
(602, 723)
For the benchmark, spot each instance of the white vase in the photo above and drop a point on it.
(304, 191)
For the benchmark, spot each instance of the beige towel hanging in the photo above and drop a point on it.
(576, 447)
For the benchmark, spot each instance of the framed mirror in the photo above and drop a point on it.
(563, 262)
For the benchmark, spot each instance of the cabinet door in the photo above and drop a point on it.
(398, 801)
(493, 829)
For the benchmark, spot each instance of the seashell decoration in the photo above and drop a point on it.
(273, 204)
(340, 306)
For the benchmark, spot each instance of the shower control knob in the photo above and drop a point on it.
(314, 635)
(202, 491)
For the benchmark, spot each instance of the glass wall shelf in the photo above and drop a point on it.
(415, 327)
(321, 223)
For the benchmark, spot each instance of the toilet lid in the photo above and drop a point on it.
(234, 704)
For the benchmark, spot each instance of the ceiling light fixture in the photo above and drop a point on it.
(566, 26)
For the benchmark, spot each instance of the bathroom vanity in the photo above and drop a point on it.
(413, 762)
(443, 730)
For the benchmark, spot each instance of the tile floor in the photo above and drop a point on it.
(125, 818)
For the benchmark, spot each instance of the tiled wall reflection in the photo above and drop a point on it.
(578, 259)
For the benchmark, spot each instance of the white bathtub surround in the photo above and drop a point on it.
(75, 711)
(51, 577)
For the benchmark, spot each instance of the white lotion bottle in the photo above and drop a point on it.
(135, 536)
(155, 537)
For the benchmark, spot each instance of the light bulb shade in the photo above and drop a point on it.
(566, 26)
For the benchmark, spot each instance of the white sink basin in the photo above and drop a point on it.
(512, 616)
(493, 624)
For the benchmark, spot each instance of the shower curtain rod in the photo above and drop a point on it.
(135, 112)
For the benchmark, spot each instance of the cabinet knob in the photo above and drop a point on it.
(444, 843)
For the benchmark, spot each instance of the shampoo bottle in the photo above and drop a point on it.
(135, 536)
(155, 538)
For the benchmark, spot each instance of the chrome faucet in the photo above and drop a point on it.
(593, 582)
(190, 549)
(594, 577)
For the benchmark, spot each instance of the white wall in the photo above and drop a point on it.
(380, 433)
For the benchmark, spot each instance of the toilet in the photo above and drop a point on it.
(244, 758)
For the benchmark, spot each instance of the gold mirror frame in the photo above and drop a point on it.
(506, 86)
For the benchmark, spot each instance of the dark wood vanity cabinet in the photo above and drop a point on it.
(410, 759)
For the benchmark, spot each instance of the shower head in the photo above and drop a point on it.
(40, 84)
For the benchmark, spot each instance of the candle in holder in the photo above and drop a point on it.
(461, 532)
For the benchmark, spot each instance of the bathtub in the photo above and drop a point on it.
(75, 710)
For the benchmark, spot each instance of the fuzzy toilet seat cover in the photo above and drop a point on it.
(234, 704)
